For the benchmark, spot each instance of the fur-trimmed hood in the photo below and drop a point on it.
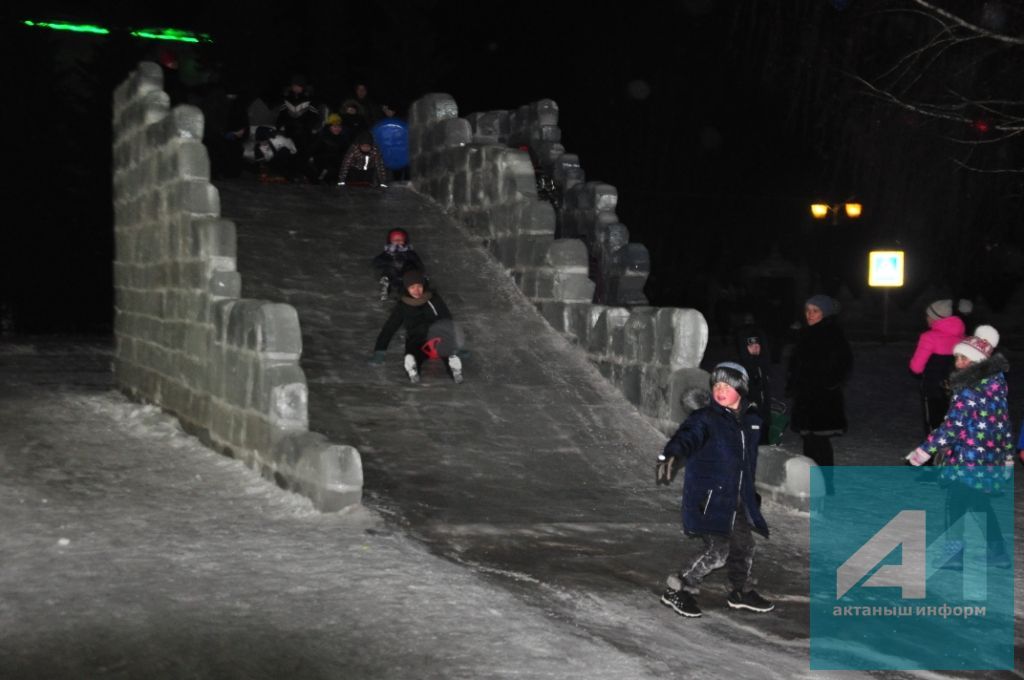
(698, 397)
(975, 373)
(418, 302)
(695, 398)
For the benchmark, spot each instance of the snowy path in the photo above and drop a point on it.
(131, 551)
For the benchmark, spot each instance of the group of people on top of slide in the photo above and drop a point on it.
(294, 136)
(311, 142)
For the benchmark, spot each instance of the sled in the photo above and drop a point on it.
(392, 138)
(443, 340)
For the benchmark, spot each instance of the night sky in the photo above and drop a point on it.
(718, 122)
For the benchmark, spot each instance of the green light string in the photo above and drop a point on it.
(173, 34)
(62, 26)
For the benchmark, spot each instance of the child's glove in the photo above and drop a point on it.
(918, 457)
(665, 471)
(377, 358)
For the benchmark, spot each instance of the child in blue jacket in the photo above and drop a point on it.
(1020, 444)
(720, 506)
(397, 258)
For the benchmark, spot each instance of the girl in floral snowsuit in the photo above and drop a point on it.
(976, 431)
(976, 437)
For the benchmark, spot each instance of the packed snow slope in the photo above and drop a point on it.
(534, 469)
(511, 527)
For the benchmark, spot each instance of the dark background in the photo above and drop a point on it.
(718, 122)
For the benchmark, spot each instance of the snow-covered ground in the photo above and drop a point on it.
(511, 525)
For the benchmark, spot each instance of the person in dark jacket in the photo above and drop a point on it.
(368, 108)
(818, 369)
(299, 117)
(720, 506)
(752, 349)
(328, 151)
(422, 313)
(398, 257)
(351, 116)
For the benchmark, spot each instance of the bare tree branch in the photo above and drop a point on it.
(969, 26)
(930, 110)
(1002, 171)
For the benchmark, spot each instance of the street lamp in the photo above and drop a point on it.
(828, 249)
(822, 210)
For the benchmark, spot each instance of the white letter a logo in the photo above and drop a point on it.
(906, 529)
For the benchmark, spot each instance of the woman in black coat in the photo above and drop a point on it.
(818, 369)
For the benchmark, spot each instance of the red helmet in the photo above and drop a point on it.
(398, 233)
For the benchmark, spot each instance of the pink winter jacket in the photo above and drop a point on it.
(940, 339)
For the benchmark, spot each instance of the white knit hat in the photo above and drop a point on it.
(979, 346)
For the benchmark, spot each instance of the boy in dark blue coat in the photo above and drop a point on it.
(720, 506)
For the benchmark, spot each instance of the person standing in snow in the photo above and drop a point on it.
(976, 429)
(818, 369)
(720, 506)
(974, 437)
(419, 312)
(933, 360)
(752, 348)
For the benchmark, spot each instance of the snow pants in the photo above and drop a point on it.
(735, 552)
(962, 499)
(933, 411)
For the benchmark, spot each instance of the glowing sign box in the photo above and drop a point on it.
(885, 268)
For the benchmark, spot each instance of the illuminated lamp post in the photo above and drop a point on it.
(851, 209)
(829, 246)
